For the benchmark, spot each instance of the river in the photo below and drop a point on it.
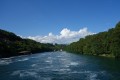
(59, 66)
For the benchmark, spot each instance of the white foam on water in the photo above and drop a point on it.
(49, 57)
(24, 59)
(59, 56)
(74, 72)
(66, 66)
(5, 61)
(24, 73)
(29, 73)
(74, 63)
(15, 73)
(34, 65)
(64, 70)
(81, 72)
(92, 76)
(63, 59)
(48, 61)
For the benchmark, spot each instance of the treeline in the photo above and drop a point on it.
(13, 45)
(104, 43)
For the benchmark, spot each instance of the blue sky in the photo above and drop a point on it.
(41, 17)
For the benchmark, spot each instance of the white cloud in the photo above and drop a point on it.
(66, 36)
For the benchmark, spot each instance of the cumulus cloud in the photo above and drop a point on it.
(66, 36)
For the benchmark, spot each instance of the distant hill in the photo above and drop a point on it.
(13, 45)
(103, 44)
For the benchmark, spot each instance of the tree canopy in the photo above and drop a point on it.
(13, 45)
(107, 43)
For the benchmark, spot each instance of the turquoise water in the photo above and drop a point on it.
(59, 66)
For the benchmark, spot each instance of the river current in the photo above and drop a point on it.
(59, 66)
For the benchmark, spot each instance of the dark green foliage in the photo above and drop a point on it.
(12, 45)
(115, 41)
(107, 43)
(58, 47)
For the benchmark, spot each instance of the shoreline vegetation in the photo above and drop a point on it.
(106, 44)
(13, 45)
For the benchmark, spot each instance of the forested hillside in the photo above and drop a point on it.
(104, 43)
(13, 45)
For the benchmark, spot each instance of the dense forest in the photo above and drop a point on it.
(13, 45)
(104, 43)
